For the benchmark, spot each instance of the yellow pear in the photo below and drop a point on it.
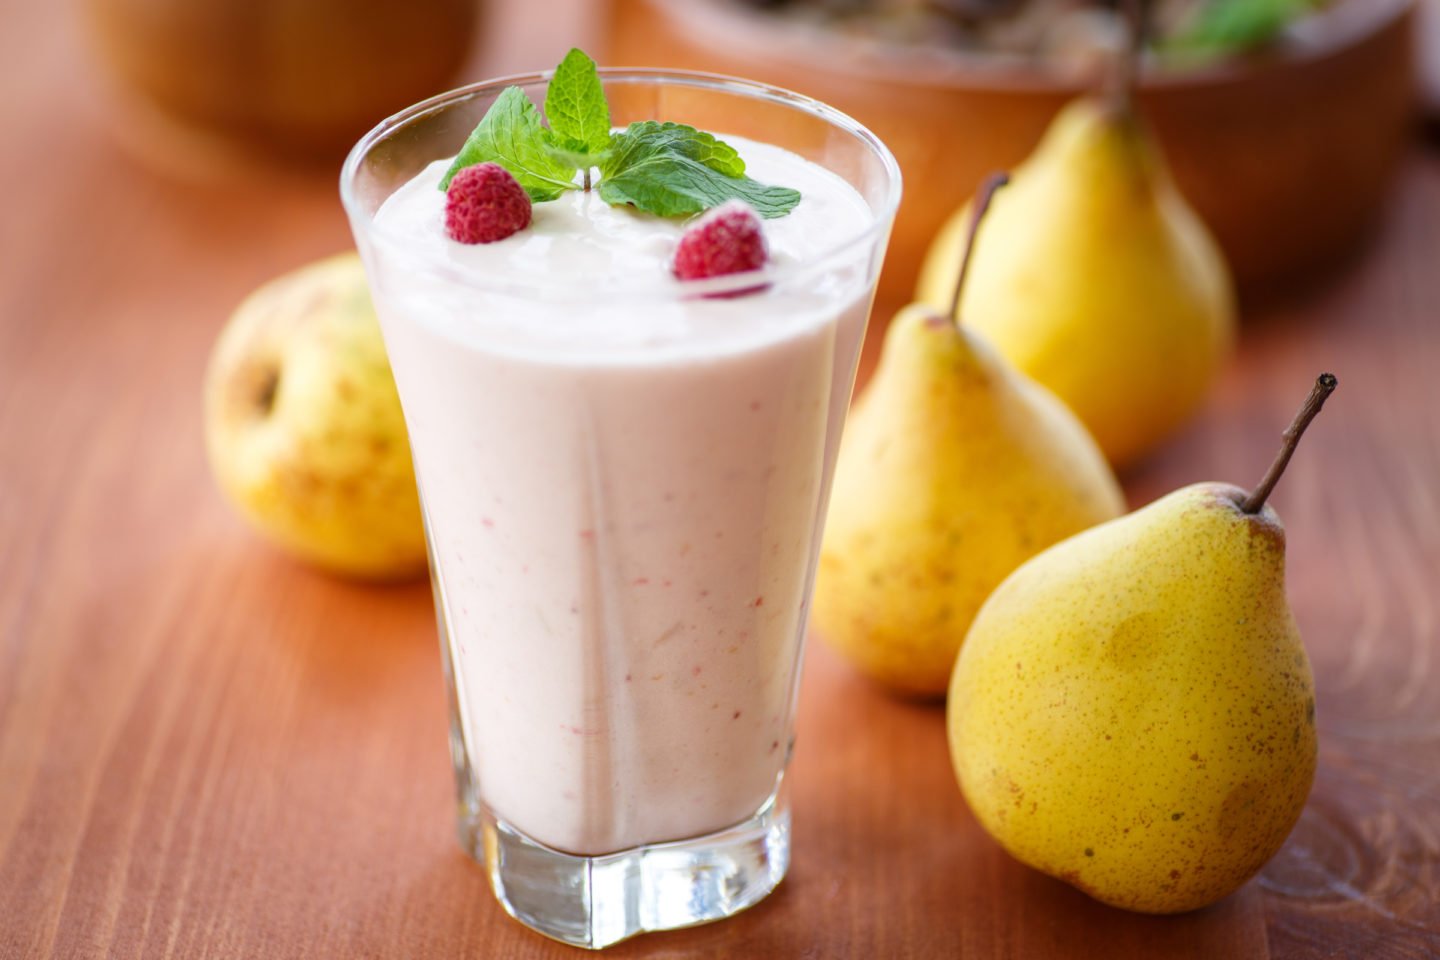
(1133, 711)
(304, 428)
(953, 470)
(1094, 277)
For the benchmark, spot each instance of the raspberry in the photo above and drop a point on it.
(727, 239)
(484, 203)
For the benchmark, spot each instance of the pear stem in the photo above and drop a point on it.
(1125, 73)
(1324, 386)
(983, 197)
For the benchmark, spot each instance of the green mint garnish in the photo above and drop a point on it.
(510, 134)
(667, 169)
(650, 138)
(573, 155)
(576, 108)
(674, 170)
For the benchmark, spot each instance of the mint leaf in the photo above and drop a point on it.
(574, 153)
(576, 107)
(652, 136)
(673, 170)
(668, 169)
(510, 134)
(673, 186)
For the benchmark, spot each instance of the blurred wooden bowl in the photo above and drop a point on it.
(284, 78)
(1286, 156)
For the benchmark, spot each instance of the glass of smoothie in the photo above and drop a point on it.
(624, 479)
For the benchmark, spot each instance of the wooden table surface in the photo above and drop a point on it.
(209, 751)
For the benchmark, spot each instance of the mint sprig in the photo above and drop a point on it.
(668, 169)
(576, 107)
(648, 138)
(674, 170)
(510, 134)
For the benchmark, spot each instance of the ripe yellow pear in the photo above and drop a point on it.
(1093, 276)
(1133, 711)
(953, 470)
(304, 429)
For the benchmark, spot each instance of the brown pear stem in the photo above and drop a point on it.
(1125, 71)
(983, 197)
(1324, 386)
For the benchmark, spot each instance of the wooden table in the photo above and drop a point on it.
(209, 751)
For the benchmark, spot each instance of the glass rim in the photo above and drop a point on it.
(875, 230)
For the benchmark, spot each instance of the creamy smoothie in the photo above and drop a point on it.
(633, 486)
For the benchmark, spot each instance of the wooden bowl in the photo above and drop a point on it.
(1287, 156)
(291, 79)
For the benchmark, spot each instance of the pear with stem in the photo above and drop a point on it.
(953, 470)
(1133, 711)
(1095, 277)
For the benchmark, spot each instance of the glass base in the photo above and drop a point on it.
(593, 902)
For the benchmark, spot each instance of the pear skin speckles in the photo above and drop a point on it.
(1136, 641)
(952, 471)
(1144, 684)
(1131, 332)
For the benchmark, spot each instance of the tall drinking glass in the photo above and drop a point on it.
(624, 485)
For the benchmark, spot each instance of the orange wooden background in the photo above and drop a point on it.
(208, 751)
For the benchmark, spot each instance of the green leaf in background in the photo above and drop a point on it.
(576, 107)
(1233, 26)
(511, 135)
